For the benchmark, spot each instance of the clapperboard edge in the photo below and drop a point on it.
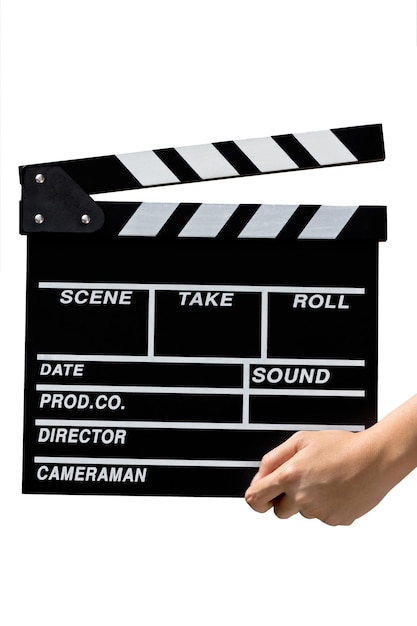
(226, 159)
(250, 221)
(71, 182)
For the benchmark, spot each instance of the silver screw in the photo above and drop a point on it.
(39, 218)
(85, 219)
(40, 178)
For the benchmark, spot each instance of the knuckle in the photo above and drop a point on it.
(300, 437)
(266, 460)
(337, 520)
(252, 501)
(334, 521)
(283, 514)
(290, 474)
(287, 474)
(249, 499)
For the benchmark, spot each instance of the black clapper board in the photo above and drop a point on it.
(169, 346)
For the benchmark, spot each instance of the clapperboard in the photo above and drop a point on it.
(169, 346)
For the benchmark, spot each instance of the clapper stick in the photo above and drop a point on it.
(170, 345)
(69, 183)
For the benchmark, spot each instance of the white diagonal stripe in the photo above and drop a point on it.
(147, 168)
(148, 219)
(207, 161)
(208, 220)
(266, 154)
(268, 221)
(328, 222)
(325, 147)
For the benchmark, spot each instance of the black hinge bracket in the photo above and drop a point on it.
(52, 202)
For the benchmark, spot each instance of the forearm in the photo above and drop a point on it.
(396, 438)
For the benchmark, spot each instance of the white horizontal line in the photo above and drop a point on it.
(141, 389)
(62, 460)
(117, 358)
(71, 423)
(330, 393)
(194, 287)
(219, 391)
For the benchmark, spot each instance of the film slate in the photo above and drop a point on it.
(170, 345)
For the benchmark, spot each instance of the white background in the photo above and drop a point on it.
(95, 77)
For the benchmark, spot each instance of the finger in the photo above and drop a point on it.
(279, 455)
(261, 494)
(285, 506)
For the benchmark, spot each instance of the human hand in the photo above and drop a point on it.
(335, 476)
